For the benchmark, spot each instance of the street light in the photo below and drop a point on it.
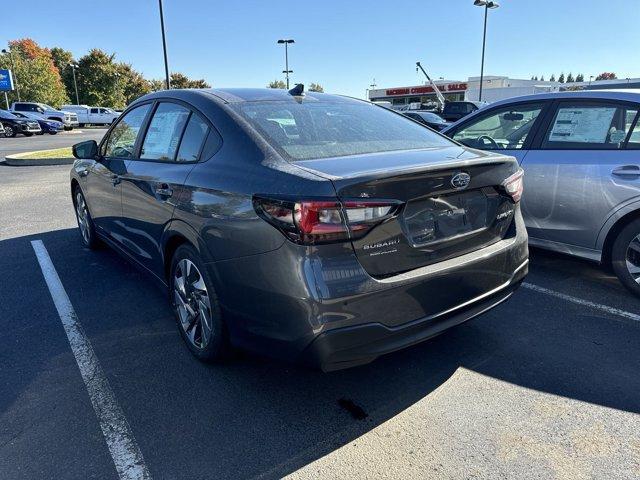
(164, 48)
(487, 4)
(13, 71)
(286, 71)
(75, 84)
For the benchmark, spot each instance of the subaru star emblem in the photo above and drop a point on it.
(461, 180)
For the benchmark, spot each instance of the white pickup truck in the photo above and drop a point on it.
(45, 112)
(92, 115)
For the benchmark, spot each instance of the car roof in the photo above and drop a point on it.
(239, 95)
(631, 94)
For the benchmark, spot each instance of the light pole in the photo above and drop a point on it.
(286, 70)
(487, 4)
(164, 48)
(75, 84)
(13, 71)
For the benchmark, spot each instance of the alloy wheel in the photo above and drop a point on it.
(633, 258)
(191, 301)
(8, 131)
(83, 216)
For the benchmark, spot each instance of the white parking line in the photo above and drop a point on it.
(115, 428)
(586, 303)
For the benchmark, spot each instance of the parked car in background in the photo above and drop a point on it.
(92, 115)
(581, 155)
(44, 111)
(1, 130)
(47, 126)
(14, 125)
(429, 119)
(313, 227)
(454, 111)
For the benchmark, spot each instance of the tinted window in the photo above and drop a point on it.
(94, 110)
(164, 132)
(504, 128)
(193, 139)
(589, 125)
(310, 129)
(103, 110)
(122, 140)
(21, 107)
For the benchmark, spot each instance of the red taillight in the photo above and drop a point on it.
(323, 221)
(514, 185)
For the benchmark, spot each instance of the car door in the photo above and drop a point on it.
(153, 181)
(507, 129)
(103, 189)
(579, 169)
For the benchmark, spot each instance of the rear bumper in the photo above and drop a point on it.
(319, 305)
(361, 344)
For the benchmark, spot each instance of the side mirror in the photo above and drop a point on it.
(85, 150)
(40, 110)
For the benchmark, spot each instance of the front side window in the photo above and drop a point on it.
(310, 129)
(122, 139)
(506, 128)
(164, 133)
(589, 125)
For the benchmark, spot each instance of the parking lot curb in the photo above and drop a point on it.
(15, 161)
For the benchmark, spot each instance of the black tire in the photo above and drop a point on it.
(87, 235)
(624, 255)
(27, 134)
(9, 131)
(211, 347)
(53, 133)
(40, 133)
(81, 125)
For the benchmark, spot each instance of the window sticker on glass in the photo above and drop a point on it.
(582, 125)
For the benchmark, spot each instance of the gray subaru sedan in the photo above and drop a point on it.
(311, 227)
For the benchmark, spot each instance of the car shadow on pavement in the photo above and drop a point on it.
(258, 418)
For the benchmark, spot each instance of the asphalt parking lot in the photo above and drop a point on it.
(546, 385)
(20, 143)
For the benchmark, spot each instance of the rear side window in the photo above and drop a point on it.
(122, 139)
(310, 129)
(589, 125)
(193, 139)
(94, 110)
(164, 132)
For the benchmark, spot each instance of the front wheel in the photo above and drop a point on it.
(196, 306)
(52, 133)
(85, 222)
(625, 256)
(9, 131)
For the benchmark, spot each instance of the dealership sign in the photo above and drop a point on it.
(450, 87)
(6, 81)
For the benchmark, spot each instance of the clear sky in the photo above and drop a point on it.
(342, 44)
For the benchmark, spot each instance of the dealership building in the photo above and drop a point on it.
(494, 88)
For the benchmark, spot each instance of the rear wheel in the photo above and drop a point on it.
(27, 134)
(85, 222)
(196, 306)
(625, 256)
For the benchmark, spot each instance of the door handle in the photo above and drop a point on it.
(115, 179)
(627, 171)
(164, 190)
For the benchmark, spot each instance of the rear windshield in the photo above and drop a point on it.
(310, 130)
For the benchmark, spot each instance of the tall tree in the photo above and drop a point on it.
(580, 78)
(553, 77)
(561, 78)
(277, 84)
(36, 74)
(606, 76)
(316, 87)
(542, 78)
(131, 84)
(97, 78)
(180, 80)
(61, 59)
(570, 78)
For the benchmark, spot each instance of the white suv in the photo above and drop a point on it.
(44, 111)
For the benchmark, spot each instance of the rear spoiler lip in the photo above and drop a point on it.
(385, 172)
